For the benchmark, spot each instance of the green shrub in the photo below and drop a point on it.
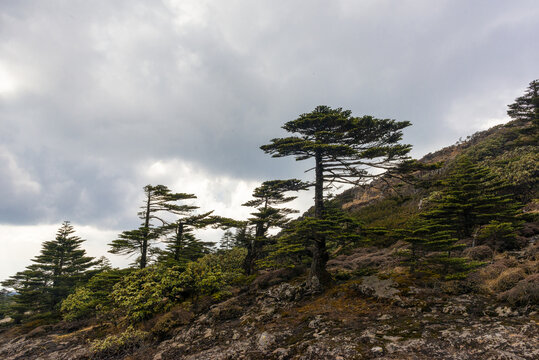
(78, 305)
(155, 289)
(498, 235)
(146, 291)
(213, 273)
(92, 298)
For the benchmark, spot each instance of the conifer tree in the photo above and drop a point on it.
(472, 197)
(266, 197)
(182, 245)
(345, 149)
(526, 107)
(157, 201)
(60, 266)
(432, 247)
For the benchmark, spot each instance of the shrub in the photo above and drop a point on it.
(154, 289)
(171, 320)
(114, 345)
(78, 305)
(481, 252)
(499, 236)
(93, 297)
(213, 273)
(508, 279)
(526, 292)
(146, 291)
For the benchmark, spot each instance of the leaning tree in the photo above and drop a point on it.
(345, 149)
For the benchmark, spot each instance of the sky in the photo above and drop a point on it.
(99, 98)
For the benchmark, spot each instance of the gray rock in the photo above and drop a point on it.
(265, 341)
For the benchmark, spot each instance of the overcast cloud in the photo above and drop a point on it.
(99, 98)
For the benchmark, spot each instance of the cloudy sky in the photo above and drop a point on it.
(99, 98)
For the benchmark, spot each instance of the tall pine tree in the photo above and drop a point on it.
(55, 272)
(345, 149)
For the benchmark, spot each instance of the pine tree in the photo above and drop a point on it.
(55, 272)
(266, 197)
(432, 247)
(472, 197)
(182, 245)
(526, 107)
(157, 201)
(345, 150)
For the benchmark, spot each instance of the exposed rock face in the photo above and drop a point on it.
(369, 318)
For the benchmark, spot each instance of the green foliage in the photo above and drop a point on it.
(147, 291)
(118, 344)
(341, 230)
(212, 273)
(6, 301)
(94, 297)
(471, 196)
(78, 305)
(498, 235)
(158, 199)
(526, 107)
(519, 168)
(431, 244)
(390, 213)
(156, 288)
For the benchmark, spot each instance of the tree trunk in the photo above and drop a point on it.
(318, 276)
(178, 243)
(146, 234)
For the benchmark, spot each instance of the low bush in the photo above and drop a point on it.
(169, 321)
(92, 298)
(115, 345)
(481, 252)
(146, 292)
(508, 279)
(526, 292)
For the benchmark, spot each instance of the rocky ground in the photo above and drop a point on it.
(366, 318)
(382, 316)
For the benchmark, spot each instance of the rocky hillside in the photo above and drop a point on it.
(509, 150)
(382, 316)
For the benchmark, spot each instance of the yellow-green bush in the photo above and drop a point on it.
(78, 305)
(93, 297)
(146, 291)
(154, 289)
(212, 273)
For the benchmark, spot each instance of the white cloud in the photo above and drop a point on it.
(99, 98)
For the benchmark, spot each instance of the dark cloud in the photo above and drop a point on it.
(98, 89)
